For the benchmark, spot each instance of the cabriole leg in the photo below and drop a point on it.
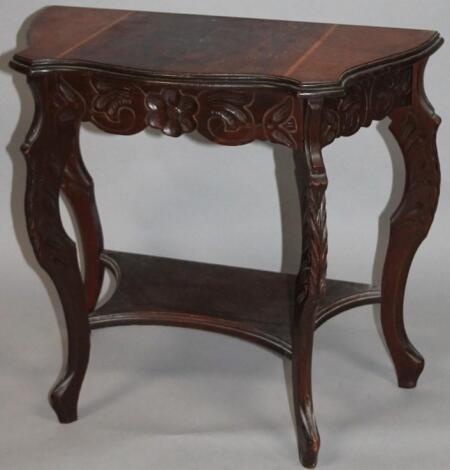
(415, 128)
(51, 141)
(78, 188)
(312, 182)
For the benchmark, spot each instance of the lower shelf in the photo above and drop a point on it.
(255, 305)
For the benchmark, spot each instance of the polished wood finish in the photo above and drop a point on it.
(414, 127)
(78, 187)
(301, 85)
(255, 305)
(168, 45)
(48, 147)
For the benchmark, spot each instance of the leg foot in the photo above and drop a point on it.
(64, 399)
(308, 435)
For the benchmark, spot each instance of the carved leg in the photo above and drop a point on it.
(312, 182)
(49, 144)
(79, 190)
(415, 128)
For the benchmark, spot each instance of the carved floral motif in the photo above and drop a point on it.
(235, 116)
(226, 116)
(171, 111)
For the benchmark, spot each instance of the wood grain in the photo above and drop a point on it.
(302, 53)
(255, 305)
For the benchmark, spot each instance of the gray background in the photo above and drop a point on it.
(166, 398)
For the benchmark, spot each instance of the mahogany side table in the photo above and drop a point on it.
(233, 80)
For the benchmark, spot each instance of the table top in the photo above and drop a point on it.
(167, 44)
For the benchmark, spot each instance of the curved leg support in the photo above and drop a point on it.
(49, 144)
(415, 129)
(78, 187)
(312, 182)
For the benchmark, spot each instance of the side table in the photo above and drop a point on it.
(234, 80)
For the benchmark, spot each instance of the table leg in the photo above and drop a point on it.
(415, 129)
(78, 187)
(312, 182)
(51, 141)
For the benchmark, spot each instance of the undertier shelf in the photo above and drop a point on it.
(252, 304)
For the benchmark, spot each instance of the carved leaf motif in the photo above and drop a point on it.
(43, 209)
(367, 99)
(226, 117)
(420, 204)
(230, 108)
(311, 279)
(330, 126)
(282, 137)
(111, 100)
(68, 102)
(352, 109)
(282, 112)
(389, 88)
(280, 124)
(115, 105)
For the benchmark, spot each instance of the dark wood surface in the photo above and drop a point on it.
(301, 85)
(194, 45)
(415, 128)
(256, 305)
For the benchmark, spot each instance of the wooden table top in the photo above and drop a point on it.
(166, 44)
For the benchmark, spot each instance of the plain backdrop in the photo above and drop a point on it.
(165, 398)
